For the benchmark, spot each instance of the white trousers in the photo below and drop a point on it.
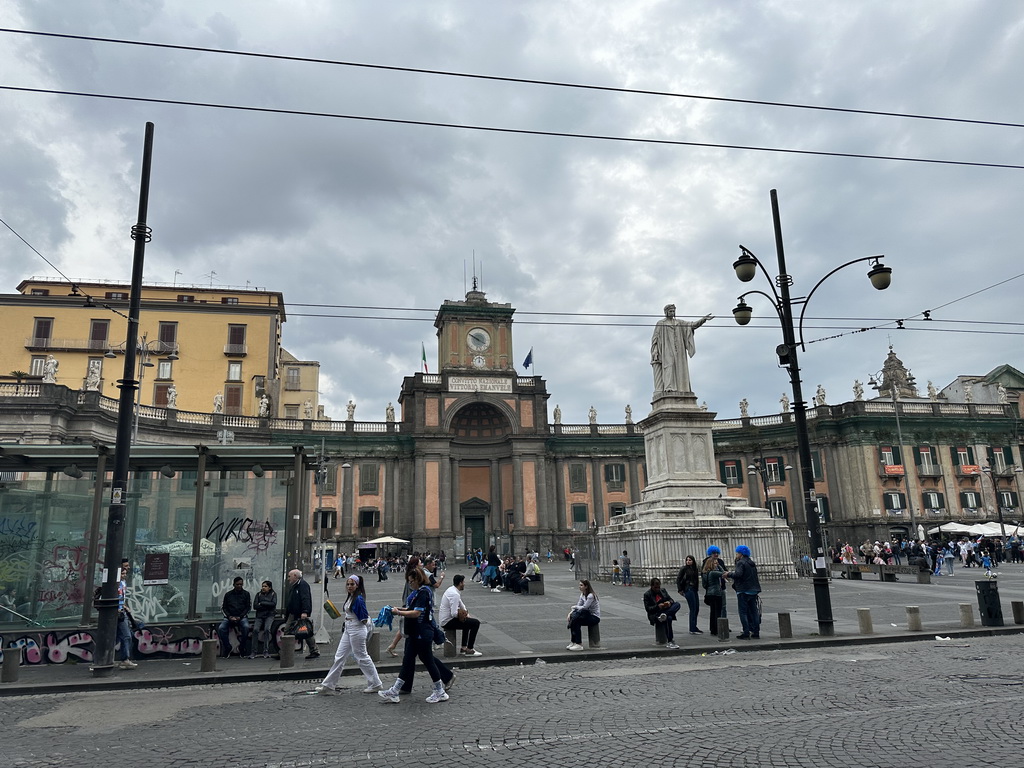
(353, 642)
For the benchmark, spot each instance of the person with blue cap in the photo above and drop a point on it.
(748, 589)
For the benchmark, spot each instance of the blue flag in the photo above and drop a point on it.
(528, 362)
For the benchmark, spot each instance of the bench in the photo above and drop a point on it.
(531, 587)
(855, 571)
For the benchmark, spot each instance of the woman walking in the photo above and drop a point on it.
(358, 627)
(586, 613)
(688, 585)
(419, 639)
(265, 605)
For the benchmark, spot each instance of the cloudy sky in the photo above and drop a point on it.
(587, 238)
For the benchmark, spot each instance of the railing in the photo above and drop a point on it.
(88, 345)
(19, 390)
(431, 378)
(242, 422)
(191, 417)
(235, 349)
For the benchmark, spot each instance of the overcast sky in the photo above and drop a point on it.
(374, 214)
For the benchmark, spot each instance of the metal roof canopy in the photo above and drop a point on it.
(40, 458)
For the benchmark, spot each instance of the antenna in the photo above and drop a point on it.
(464, 276)
(176, 273)
(211, 276)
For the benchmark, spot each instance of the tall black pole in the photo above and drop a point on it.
(107, 614)
(822, 598)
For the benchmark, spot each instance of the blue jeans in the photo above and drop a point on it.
(627, 577)
(224, 632)
(124, 637)
(693, 602)
(582, 620)
(750, 617)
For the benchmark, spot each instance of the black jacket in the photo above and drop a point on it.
(236, 603)
(299, 600)
(265, 603)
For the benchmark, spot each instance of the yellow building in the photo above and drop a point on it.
(201, 348)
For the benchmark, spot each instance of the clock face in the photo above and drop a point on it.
(479, 361)
(478, 340)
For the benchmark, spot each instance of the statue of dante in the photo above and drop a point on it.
(671, 345)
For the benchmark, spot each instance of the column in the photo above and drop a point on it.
(419, 501)
(457, 526)
(494, 523)
(444, 518)
(560, 524)
(598, 493)
(389, 516)
(634, 480)
(543, 510)
(517, 492)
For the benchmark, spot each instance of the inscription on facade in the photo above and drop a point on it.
(478, 384)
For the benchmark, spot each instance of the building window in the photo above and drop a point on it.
(616, 509)
(579, 517)
(1000, 459)
(291, 411)
(368, 472)
(42, 331)
(236, 340)
(168, 333)
(577, 478)
(773, 469)
(116, 295)
(330, 480)
(731, 474)
(970, 500)
(37, 365)
(99, 332)
(234, 371)
(233, 399)
(369, 519)
(187, 479)
(186, 299)
(962, 455)
(229, 300)
(293, 379)
(816, 470)
(615, 476)
(890, 455)
(926, 461)
(160, 399)
(39, 292)
(236, 480)
(1007, 500)
(933, 500)
(777, 508)
(895, 503)
(328, 518)
(164, 369)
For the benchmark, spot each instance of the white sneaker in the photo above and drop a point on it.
(574, 647)
(472, 652)
(373, 688)
(672, 646)
(127, 664)
(437, 696)
(324, 690)
(390, 696)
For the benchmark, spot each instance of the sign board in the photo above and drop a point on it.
(970, 469)
(157, 569)
(894, 469)
(479, 384)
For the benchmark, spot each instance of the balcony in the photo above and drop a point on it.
(47, 344)
(236, 350)
(928, 471)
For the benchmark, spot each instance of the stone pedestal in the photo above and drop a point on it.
(685, 509)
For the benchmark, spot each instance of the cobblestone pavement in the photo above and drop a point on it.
(924, 704)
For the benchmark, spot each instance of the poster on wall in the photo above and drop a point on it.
(157, 568)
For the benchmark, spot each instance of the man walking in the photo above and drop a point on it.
(453, 614)
(624, 563)
(299, 606)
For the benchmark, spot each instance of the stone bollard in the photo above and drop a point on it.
(966, 615)
(914, 618)
(864, 620)
(451, 648)
(723, 628)
(785, 625)
(209, 657)
(12, 665)
(1017, 606)
(287, 651)
(373, 646)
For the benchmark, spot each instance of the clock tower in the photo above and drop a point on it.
(474, 335)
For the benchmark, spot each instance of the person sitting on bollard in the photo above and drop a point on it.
(661, 609)
(453, 614)
(586, 613)
(236, 605)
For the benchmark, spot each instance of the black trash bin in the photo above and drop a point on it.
(988, 603)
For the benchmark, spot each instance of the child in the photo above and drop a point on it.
(986, 563)
(616, 572)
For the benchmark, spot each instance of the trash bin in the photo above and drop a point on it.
(988, 603)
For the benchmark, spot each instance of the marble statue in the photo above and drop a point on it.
(784, 402)
(1001, 397)
(172, 397)
(819, 396)
(351, 409)
(264, 406)
(389, 412)
(307, 409)
(629, 414)
(218, 403)
(744, 408)
(858, 390)
(968, 393)
(92, 377)
(933, 394)
(704, 405)
(50, 370)
(671, 345)
(593, 415)
(558, 415)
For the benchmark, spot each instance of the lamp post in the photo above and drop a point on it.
(760, 469)
(144, 349)
(995, 495)
(877, 382)
(746, 268)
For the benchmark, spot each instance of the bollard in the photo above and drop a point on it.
(966, 615)
(12, 665)
(209, 657)
(287, 651)
(1017, 606)
(373, 646)
(914, 618)
(723, 628)
(451, 649)
(785, 625)
(594, 636)
(864, 620)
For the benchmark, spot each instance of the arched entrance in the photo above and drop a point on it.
(474, 522)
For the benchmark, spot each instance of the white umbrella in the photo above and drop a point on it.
(387, 540)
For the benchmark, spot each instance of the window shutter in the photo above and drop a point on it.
(608, 473)
(991, 457)
(816, 465)
(782, 468)
(954, 455)
(970, 453)
(917, 456)
(897, 454)
(721, 471)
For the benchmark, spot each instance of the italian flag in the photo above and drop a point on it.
(423, 355)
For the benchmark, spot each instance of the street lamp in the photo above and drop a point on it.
(143, 349)
(746, 267)
(877, 382)
(760, 469)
